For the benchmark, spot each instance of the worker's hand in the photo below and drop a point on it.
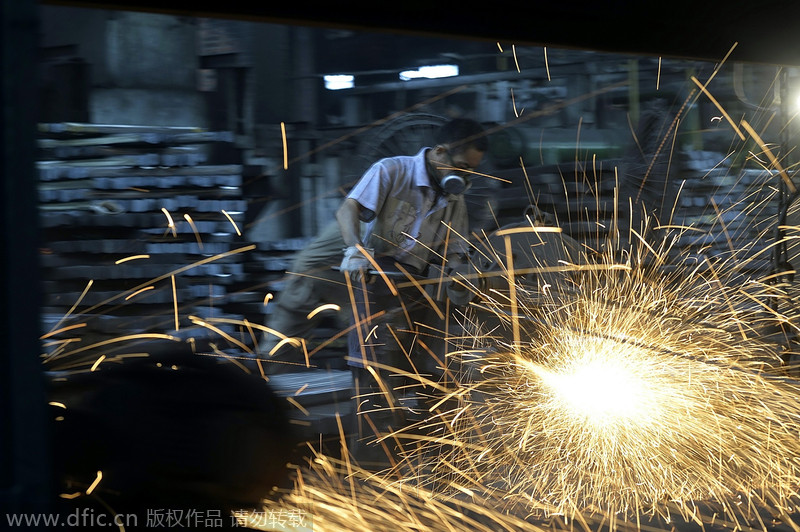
(355, 263)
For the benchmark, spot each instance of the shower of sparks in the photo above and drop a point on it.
(336, 494)
(514, 53)
(627, 395)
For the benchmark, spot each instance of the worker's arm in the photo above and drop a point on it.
(354, 261)
(349, 223)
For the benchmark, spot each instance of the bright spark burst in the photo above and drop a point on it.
(631, 394)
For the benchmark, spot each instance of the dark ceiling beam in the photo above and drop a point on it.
(766, 31)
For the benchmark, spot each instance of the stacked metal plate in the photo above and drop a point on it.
(140, 230)
(319, 397)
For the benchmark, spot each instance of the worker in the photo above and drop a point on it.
(406, 216)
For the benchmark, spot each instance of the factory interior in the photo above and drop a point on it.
(622, 353)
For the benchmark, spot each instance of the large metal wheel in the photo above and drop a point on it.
(406, 135)
(402, 135)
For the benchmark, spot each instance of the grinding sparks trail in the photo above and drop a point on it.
(334, 495)
(629, 395)
(600, 391)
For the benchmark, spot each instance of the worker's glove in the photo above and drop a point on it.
(355, 263)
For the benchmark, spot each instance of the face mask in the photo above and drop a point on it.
(454, 184)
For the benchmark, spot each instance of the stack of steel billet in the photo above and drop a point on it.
(264, 272)
(579, 197)
(323, 399)
(142, 217)
(727, 212)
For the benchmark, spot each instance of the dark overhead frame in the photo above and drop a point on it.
(766, 31)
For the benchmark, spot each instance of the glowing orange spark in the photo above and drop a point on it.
(529, 229)
(372, 333)
(298, 406)
(145, 289)
(97, 362)
(546, 64)
(194, 230)
(658, 75)
(132, 257)
(206, 324)
(321, 308)
(293, 341)
(170, 221)
(175, 302)
(514, 104)
(235, 227)
(61, 330)
(285, 147)
(94, 484)
(378, 269)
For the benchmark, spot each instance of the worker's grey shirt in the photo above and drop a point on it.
(403, 217)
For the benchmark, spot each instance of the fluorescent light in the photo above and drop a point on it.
(430, 72)
(335, 82)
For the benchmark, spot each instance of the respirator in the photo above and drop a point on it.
(454, 184)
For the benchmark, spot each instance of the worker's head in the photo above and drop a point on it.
(460, 146)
